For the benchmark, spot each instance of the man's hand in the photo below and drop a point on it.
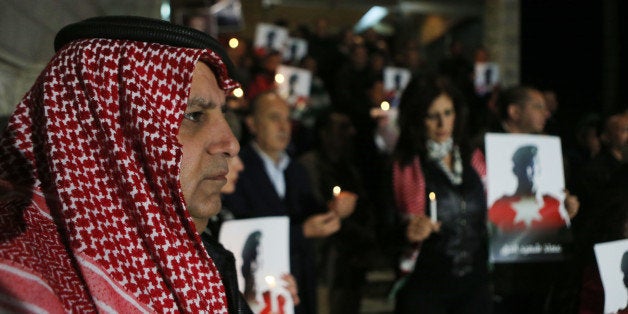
(343, 204)
(321, 225)
(572, 204)
(420, 228)
(291, 286)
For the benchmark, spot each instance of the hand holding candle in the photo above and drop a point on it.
(420, 228)
(343, 203)
(432, 196)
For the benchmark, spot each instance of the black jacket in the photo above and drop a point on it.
(225, 262)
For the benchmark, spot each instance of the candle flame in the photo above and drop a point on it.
(270, 280)
(279, 78)
(238, 92)
(432, 196)
(385, 105)
(233, 43)
(336, 190)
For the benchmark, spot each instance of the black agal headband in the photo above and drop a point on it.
(142, 29)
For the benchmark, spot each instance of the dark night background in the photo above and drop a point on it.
(563, 48)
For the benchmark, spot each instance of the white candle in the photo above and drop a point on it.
(270, 280)
(336, 190)
(433, 206)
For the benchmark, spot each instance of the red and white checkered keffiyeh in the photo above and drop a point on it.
(92, 216)
(409, 184)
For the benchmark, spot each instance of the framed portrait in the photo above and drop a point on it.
(525, 193)
(262, 254)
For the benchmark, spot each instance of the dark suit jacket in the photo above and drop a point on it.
(255, 196)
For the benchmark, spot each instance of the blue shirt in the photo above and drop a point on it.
(275, 170)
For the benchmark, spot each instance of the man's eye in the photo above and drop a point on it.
(193, 116)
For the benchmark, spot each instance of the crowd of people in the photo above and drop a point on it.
(438, 145)
(121, 164)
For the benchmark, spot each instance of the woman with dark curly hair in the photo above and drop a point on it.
(450, 273)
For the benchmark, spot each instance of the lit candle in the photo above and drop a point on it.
(279, 78)
(233, 43)
(385, 105)
(336, 190)
(433, 206)
(270, 280)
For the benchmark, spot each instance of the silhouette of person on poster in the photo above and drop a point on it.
(270, 40)
(250, 264)
(292, 82)
(624, 269)
(526, 208)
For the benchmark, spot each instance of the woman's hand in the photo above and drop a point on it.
(420, 228)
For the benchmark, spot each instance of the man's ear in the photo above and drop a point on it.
(514, 112)
(250, 124)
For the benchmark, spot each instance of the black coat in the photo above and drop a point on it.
(225, 262)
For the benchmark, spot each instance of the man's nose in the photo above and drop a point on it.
(222, 140)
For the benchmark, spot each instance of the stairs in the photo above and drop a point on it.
(376, 292)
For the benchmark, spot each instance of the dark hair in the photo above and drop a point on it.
(518, 95)
(415, 101)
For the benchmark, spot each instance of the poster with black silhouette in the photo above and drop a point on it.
(261, 249)
(295, 50)
(269, 37)
(228, 15)
(612, 261)
(525, 192)
(486, 77)
(395, 81)
(293, 84)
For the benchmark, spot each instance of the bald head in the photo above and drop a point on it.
(269, 122)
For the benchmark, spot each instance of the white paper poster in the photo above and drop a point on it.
(296, 49)
(486, 76)
(525, 184)
(294, 84)
(612, 261)
(270, 37)
(395, 80)
(261, 249)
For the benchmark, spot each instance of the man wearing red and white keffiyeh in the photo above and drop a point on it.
(116, 153)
